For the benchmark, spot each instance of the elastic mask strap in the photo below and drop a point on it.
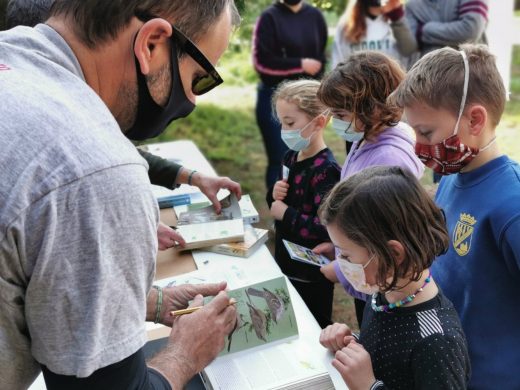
(465, 91)
(324, 113)
(369, 261)
(489, 144)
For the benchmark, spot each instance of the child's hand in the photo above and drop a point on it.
(354, 364)
(336, 336)
(280, 190)
(329, 272)
(278, 209)
(326, 249)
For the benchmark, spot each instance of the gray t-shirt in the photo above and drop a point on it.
(78, 220)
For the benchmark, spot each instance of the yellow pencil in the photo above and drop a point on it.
(189, 310)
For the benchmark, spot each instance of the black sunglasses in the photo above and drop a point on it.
(211, 79)
(201, 84)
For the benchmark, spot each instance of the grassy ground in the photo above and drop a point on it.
(224, 128)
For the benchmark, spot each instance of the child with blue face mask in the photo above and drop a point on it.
(309, 171)
(356, 92)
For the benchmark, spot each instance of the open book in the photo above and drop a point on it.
(203, 227)
(265, 315)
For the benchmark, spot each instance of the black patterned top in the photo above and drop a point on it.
(416, 347)
(309, 181)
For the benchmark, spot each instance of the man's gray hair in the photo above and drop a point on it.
(97, 21)
(27, 12)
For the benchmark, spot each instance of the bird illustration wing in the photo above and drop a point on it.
(275, 304)
(259, 321)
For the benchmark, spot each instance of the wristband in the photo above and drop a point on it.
(159, 304)
(190, 176)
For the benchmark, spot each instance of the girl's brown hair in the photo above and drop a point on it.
(361, 85)
(380, 204)
(354, 21)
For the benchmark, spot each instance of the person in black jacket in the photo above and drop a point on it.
(289, 42)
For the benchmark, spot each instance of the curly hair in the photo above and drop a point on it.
(361, 85)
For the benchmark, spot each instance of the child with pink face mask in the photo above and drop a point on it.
(308, 173)
(387, 232)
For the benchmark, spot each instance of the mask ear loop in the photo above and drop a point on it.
(465, 90)
(324, 113)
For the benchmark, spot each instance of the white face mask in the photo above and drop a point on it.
(355, 275)
(346, 130)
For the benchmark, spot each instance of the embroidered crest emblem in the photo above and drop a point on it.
(463, 233)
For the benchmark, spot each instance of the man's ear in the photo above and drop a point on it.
(153, 34)
(397, 250)
(478, 118)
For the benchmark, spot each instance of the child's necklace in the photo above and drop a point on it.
(402, 302)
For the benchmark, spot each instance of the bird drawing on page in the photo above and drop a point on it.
(274, 302)
(258, 319)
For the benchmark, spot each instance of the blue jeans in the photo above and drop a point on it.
(271, 133)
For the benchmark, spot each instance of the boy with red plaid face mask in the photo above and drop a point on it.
(454, 101)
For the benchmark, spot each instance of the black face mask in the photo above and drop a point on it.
(292, 2)
(152, 119)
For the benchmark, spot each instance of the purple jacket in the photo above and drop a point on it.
(393, 147)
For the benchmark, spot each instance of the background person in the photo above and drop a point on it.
(78, 262)
(368, 25)
(289, 42)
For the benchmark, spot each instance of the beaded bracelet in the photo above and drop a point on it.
(159, 304)
(190, 176)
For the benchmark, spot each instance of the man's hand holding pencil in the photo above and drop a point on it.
(196, 339)
(179, 297)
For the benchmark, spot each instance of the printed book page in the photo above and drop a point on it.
(278, 367)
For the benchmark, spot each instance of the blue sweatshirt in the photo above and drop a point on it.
(282, 38)
(480, 273)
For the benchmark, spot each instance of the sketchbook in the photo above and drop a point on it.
(265, 315)
(204, 227)
(264, 351)
(305, 255)
(253, 239)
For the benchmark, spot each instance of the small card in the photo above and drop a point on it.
(285, 172)
(305, 255)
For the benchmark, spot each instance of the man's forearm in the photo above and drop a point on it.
(176, 370)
